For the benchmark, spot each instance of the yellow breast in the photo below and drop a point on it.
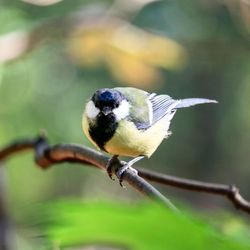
(129, 141)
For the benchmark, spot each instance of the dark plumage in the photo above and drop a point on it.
(103, 130)
(106, 98)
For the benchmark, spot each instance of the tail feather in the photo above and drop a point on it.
(184, 103)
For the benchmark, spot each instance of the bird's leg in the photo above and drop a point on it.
(128, 165)
(111, 163)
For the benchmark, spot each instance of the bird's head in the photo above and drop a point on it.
(107, 102)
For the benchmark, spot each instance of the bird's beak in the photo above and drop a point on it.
(106, 110)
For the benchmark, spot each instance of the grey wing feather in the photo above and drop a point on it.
(161, 105)
(184, 103)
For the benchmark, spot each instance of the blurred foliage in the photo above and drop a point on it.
(140, 227)
(55, 54)
(134, 50)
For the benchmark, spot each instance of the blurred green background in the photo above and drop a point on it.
(54, 54)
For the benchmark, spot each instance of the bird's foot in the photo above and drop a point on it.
(122, 170)
(113, 167)
(112, 163)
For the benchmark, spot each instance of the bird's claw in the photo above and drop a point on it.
(114, 166)
(113, 161)
(120, 172)
(110, 172)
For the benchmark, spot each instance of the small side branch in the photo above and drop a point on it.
(46, 156)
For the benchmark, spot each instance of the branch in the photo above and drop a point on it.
(229, 191)
(47, 155)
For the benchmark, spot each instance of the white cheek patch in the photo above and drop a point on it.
(122, 111)
(91, 110)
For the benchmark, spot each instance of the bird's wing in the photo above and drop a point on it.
(148, 108)
(164, 104)
(188, 102)
(161, 106)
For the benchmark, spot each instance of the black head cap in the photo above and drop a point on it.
(107, 98)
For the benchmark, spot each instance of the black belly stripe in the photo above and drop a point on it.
(103, 130)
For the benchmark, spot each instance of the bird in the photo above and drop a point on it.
(127, 121)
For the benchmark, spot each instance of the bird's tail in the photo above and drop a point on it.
(184, 103)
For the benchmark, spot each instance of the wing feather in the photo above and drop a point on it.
(188, 102)
(148, 108)
(161, 106)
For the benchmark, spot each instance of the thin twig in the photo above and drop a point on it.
(47, 155)
(229, 191)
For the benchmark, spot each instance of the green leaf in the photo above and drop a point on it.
(140, 227)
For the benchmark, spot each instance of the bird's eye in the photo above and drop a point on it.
(117, 105)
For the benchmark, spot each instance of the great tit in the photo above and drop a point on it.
(130, 122)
